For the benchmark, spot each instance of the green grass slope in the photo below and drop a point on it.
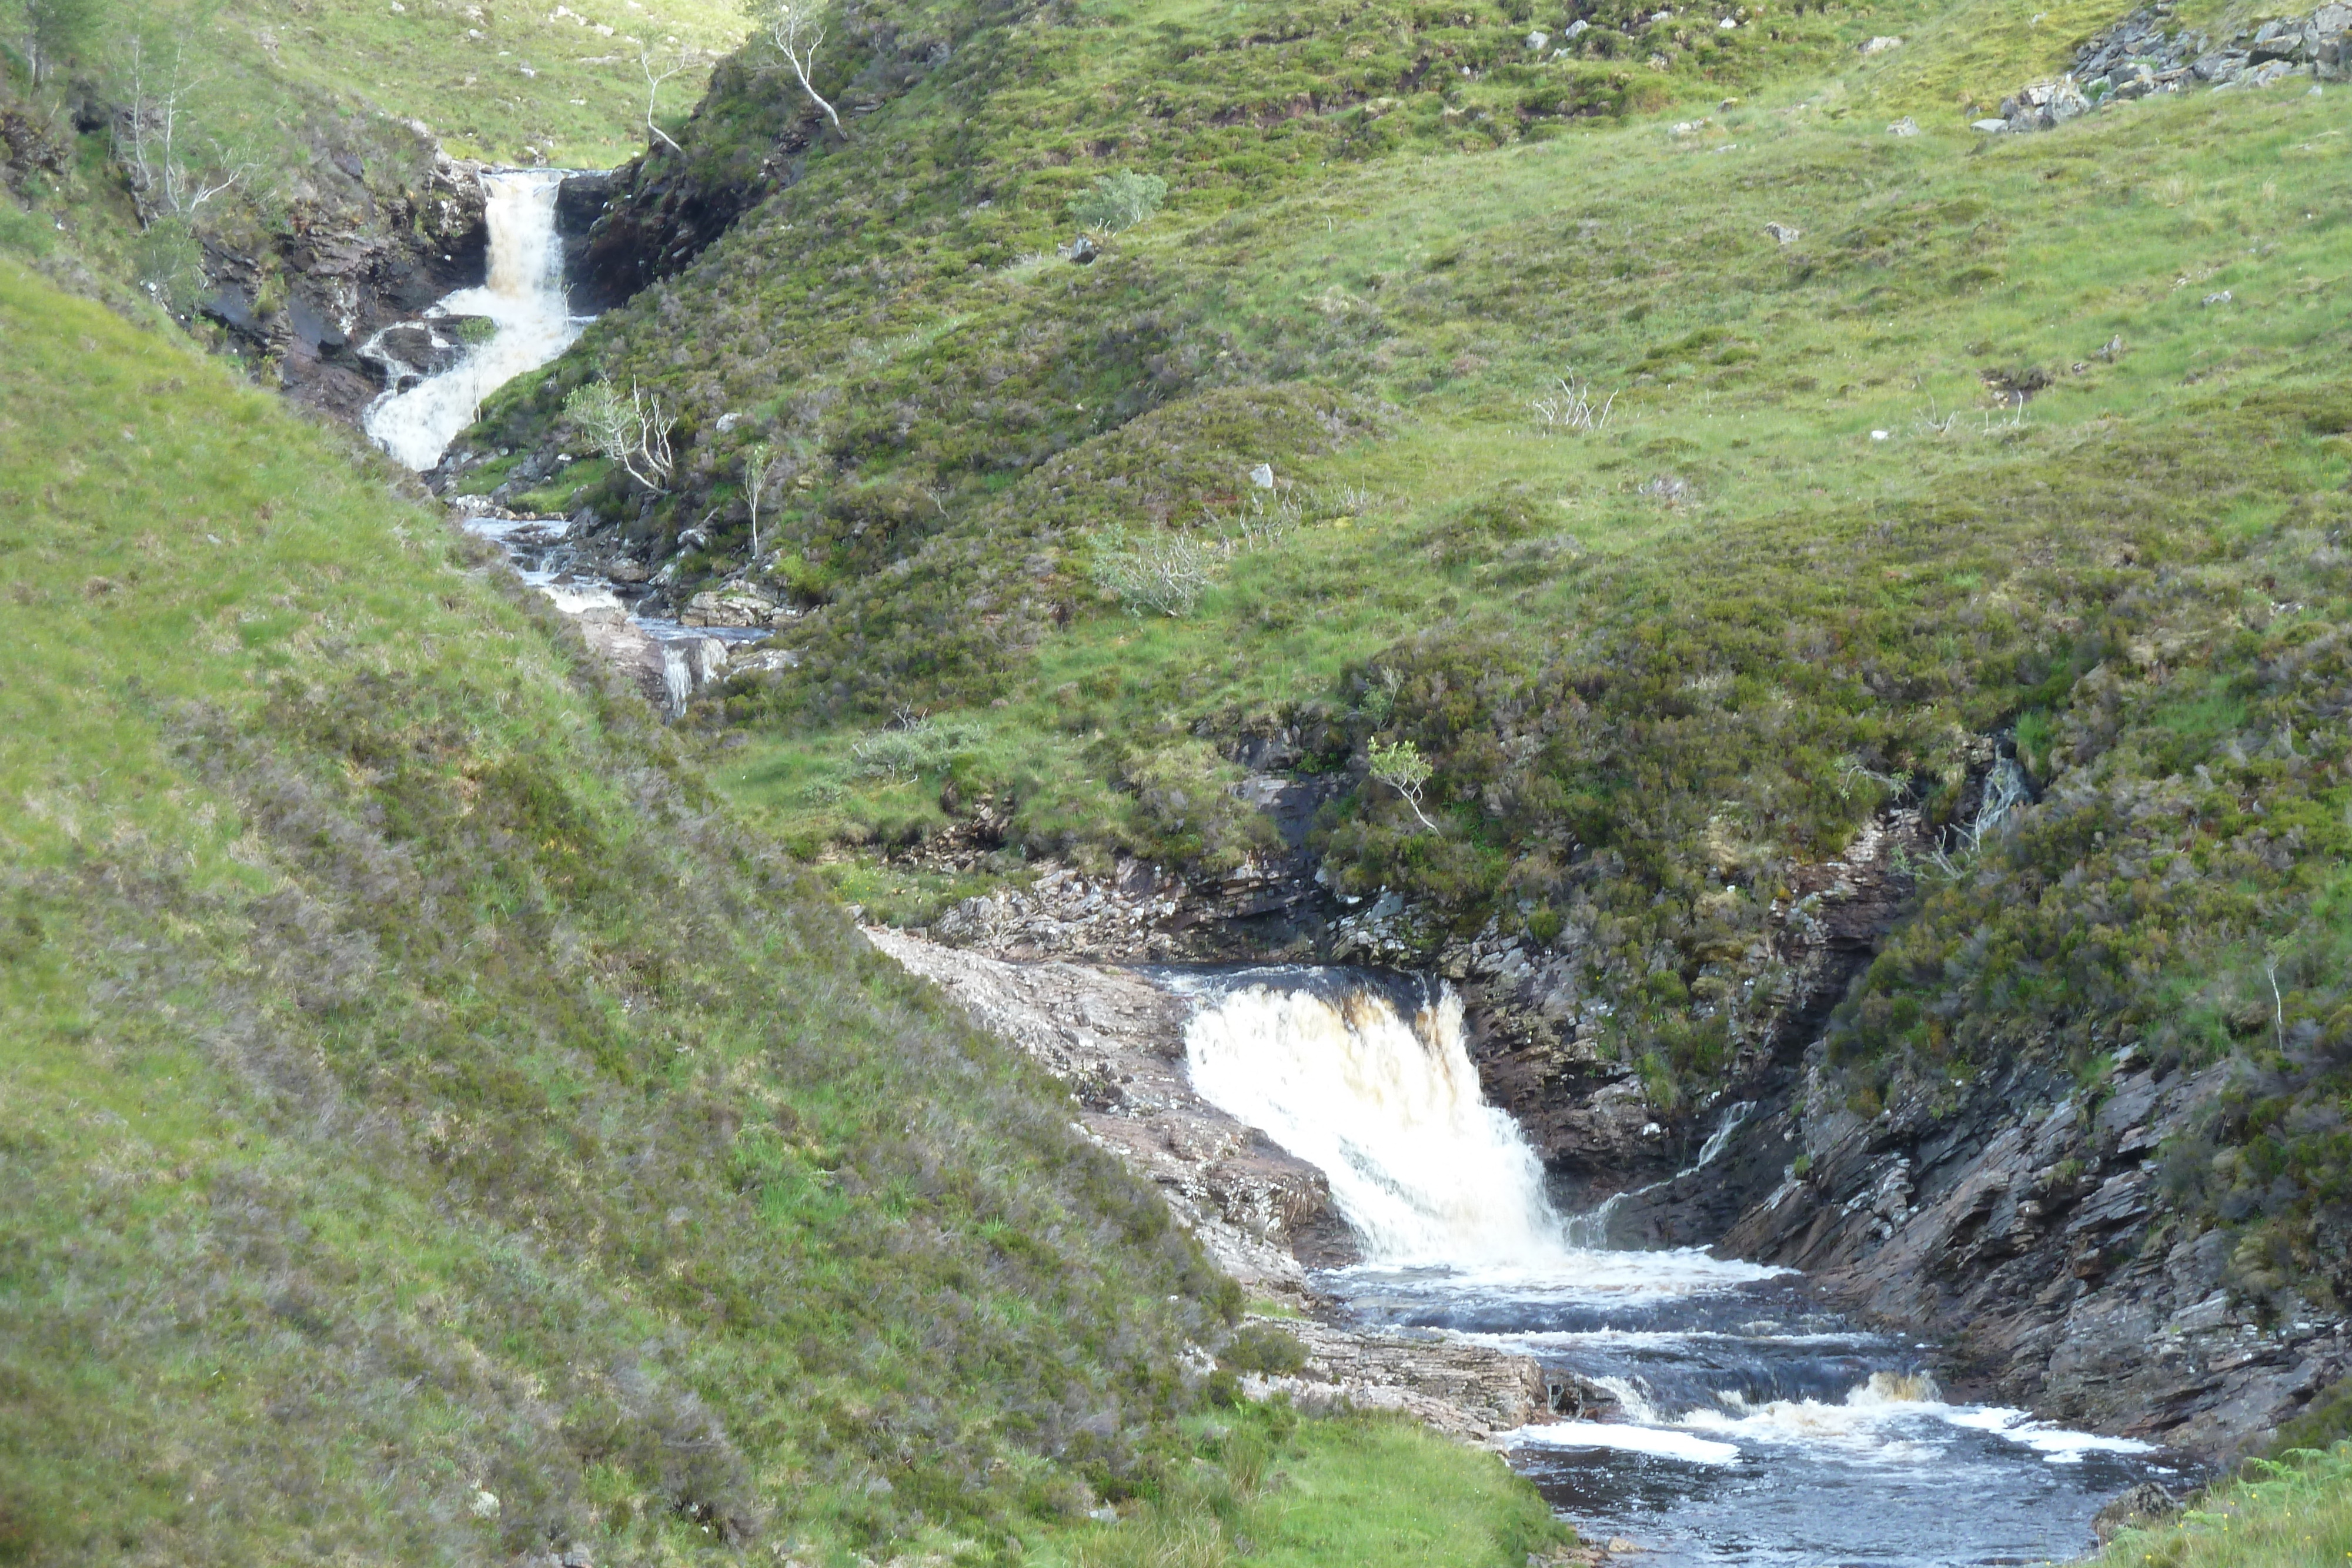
(494, 81)
(2034, 443)
(430, 1132)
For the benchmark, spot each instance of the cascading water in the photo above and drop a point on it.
(524, 302)
(1388, 1106)
(419, 415)
(1750, 1422)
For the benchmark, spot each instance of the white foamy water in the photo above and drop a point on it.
(1388, 1107)
(524, 298)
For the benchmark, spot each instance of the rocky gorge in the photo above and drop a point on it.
(2019, 1219)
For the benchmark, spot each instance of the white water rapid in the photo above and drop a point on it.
(523, 300)
(1750, 1419)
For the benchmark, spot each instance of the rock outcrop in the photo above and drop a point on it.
(349, 261)
(2142, 55)
(1469, 1391)
(1117, 1040)
(2017, 1218)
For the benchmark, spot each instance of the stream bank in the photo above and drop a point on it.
(1717, 1410)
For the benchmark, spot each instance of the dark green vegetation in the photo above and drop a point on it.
(1970, 465)
(431, 1131)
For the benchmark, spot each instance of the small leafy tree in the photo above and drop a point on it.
(1119, 201)
(761, 462)
(1401, 766)
(796, 29)
(634, 432)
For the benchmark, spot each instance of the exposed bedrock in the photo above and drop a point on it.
(350, 260)
(2022, 1222)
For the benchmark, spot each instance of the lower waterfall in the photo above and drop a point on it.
(1749, 1418)
(1384, 1100)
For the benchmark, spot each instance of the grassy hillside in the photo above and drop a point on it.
(495, 82)
(432, 1132)
(2028, 445)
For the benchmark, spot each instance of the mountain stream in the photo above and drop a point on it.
(419, 414)
(1755, 1427)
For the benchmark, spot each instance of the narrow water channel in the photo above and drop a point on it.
(520, 319)
(1752, 1425)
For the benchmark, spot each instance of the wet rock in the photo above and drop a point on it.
(2144, 1505)
(2017, 1222)
(1116, 1039)
(348, 262)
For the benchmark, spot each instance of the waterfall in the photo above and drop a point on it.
(523, 301)
(1388, 1106)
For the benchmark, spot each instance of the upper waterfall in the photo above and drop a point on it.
(1388, 1107)
(523, 300)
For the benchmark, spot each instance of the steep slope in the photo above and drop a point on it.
(1770, 523)
(434, 1133)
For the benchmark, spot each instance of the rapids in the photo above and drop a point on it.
(1753, 1425)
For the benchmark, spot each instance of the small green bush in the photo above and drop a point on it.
(1119, 201)
(1264, 1349)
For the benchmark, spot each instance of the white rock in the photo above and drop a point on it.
(1880, 46)
(1262, 476)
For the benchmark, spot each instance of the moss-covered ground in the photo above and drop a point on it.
(430, 1131)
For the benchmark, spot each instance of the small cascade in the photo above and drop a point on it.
(1591, 1229)
(1384, 1100)
(416, 419)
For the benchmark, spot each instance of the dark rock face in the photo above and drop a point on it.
(747, 140)
(647, 219)
(1538, 1033)
(2020, 1220)
(350, 264)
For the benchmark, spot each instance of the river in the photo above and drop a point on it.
(1755, 1425)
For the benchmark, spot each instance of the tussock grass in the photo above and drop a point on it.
(2296, 1509)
